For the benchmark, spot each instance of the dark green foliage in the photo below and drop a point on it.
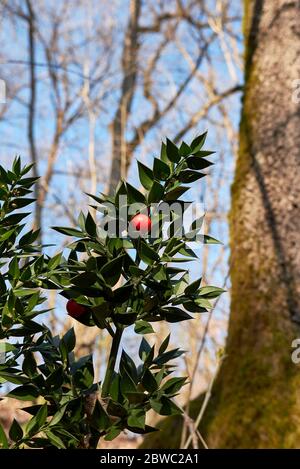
(72, 410)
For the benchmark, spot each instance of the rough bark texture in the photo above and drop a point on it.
(256, 399)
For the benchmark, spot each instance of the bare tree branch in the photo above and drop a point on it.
(129, 67)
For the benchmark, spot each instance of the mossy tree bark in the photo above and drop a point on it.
(256, 398)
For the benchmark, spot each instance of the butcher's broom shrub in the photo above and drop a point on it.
(109, 280)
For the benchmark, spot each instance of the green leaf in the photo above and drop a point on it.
(55, 261)
(136, 418)
(2, 285)
(29, 365)
(147, 253)
(111, 271)
(84, 376)
(26, 168)
(203, 303)
(68, 231)
(100, 420)
(56, 378)
(127, 384)
(8, 312)
(38, 265)
(90, 225)
(116, 409)
(180, 285)
(210, 240)
(164, 345)
(194, 162)
(3, 439)
(136, 272)
(175, 193)
(184, 149)
(144, 349)
(14, 378)
(146, 175)
(28, 392)
(160, 273)
(197, 224)
(27, 182)
(164, 406)
(193, 307)
(160, 375)
(122, 294)
(203, 154)
(34, 425)
(126, 317)
(136, 397)
(112, 433)
(20, 292)
(210, 292)
(167, 356)
(86, 279)
(193, 287)
(6, 347)
(173, 314)
(100, 313)
(173, 246)
(58, 415)
(55, 440)
(161, 170)
(128, 364)
(173, 271)
(173, 385)
(172, 151)
(143, 327)
(120, 190)
(156, 193)
(114, 390)
(81, 220)
(70, 339)
(134, 195)
(149, 382)
(189, 176)
(14, 270)
(14, 219)
(141, 431)
(163, 153)
(20, 203)
(198, 142)
(4, 176)
(7, 234)
(15, 432)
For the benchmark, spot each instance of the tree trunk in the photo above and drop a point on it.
(119, 164)
(256, 399)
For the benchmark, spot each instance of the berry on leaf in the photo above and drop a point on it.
(75, 310)
(141, 223)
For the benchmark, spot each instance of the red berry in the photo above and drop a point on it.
(141, 223)
(75, 310)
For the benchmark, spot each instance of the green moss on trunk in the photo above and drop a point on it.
(255, 401)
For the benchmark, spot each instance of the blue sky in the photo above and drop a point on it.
(170, 72)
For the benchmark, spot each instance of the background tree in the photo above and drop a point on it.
(255, 401)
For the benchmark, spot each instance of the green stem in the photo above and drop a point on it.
(112, 361)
